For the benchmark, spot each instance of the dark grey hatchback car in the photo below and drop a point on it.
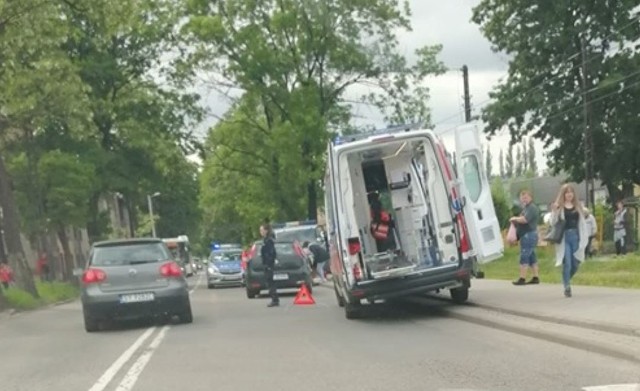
(132, 278)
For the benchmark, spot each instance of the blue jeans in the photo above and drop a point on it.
(528, 243)
(320, 271)
(570, 263)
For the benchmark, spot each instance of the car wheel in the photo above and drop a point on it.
(186, 316)
(459, 295)
(251, 294)
(90, 325)
(353, 310)
(210, 286)
(338, 296)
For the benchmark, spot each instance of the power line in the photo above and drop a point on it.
(558, 75)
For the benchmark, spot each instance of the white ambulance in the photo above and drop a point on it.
(400, 221)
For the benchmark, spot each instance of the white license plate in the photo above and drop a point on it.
(136, 298)
(231, 278)
(280, 276)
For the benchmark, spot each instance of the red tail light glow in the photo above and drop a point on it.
(354, 246)
(93, 276)
(170, 269)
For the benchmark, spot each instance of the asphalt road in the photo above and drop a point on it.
(240, 344)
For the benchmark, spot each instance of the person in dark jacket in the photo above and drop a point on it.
(320, 256)
(268, 254)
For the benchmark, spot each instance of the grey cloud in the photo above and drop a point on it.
(448, 22)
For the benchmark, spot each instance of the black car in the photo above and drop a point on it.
(291, 269)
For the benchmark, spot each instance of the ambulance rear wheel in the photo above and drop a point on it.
(460, 295)
(353, 310)
(339, 298)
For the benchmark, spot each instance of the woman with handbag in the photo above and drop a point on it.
(569, 232)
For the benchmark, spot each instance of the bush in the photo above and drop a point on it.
(53, 292)
(20, 300)
(501, 202)
(50, 292)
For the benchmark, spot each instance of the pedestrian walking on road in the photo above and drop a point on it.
(571, 249)
(620, 228)
(527, 232)
(268, 254)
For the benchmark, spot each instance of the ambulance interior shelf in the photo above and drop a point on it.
(413, 239)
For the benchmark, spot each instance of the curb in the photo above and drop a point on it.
(608, 328)
(576, 343)
(586, 339)
(10, 312)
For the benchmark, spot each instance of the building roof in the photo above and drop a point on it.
(545, 189)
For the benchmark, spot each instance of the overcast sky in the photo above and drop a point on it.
(447, 23)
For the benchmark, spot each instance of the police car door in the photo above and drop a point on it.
(480, 214)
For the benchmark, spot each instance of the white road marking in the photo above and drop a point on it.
(111, 372)
(197, 284)
(614, 387)
(138, 366)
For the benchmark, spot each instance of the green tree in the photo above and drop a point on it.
(489, 162)
(296, 59)
(510, 166)
(541, 92)
(38, 87)
(525, 155)
(67, 185)
(140, 117)
(533, 164)
(519, 171)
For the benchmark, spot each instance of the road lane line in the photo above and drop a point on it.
(614, 387)
(138, 366)
(111, 372)
(197, 284)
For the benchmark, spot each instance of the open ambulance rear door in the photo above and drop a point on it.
(482, 221)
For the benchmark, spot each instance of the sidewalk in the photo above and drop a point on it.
(606, 309)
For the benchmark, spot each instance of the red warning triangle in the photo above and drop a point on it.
(303, 297)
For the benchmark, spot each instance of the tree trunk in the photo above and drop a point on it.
(312, 194)
(11, 224)
(312, 200)
(66, 252)
(77, 241)
(94, 230)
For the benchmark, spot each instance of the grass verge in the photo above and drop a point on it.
(50, 292)
(608, 271)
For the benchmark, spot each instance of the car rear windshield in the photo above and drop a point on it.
(129, 254)
(285, 254)
(301, 235)
(226, 256)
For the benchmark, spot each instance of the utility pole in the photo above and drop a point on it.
(150, 198)
(588, 157)
(467, 97)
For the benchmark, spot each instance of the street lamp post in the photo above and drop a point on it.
(153, 222)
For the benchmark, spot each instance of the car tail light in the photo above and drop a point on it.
(354, 246)
(298, 250)
(170, 269)
(93, 276)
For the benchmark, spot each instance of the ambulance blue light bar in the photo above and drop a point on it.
(290, 224)
(378, 132)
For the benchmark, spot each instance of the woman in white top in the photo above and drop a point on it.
(570, 250)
